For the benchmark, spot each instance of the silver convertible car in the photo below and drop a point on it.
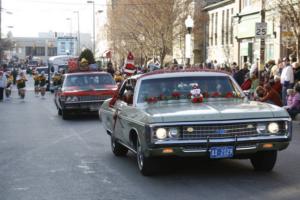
(193, 113)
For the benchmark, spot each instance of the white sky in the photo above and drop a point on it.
(29, 17)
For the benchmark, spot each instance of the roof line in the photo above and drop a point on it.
(211, 6)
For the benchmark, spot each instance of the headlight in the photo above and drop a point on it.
(72, 99)
(273, 127)
(69, 99)
(173, 132)
(161, 133)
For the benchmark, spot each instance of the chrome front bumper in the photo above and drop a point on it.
(242, 146)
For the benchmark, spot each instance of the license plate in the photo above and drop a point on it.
(221, 152)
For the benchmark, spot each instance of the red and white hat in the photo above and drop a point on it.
(129, 68)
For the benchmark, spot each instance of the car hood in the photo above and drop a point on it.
(216, 110)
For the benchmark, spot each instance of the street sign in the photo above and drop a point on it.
(260, 30)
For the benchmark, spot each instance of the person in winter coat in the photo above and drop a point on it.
(2, 84)
(294, 108)
(247, 83)
(287, 78)
(270, 96)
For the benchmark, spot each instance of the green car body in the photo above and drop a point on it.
(194, 129)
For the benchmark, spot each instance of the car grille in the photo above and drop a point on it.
(219, 131)
(94, 98)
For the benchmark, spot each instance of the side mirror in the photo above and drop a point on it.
(247, 93)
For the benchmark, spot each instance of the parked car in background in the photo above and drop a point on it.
(193, 113)
(83, 92)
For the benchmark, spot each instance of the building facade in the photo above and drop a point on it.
(220, 32)
(34, 47)
(232, 32)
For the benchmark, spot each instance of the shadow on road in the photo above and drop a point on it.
(84, 117)
(193, 167)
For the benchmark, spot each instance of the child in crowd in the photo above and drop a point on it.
(294, 108)
(291, 94)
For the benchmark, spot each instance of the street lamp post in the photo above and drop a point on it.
(69, 19)
(94, 37)
(189, 24)
(78, 33)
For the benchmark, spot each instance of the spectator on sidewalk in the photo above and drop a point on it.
(294, 108)
(270, 96)
(275, 70)
(286, 79)
(276, 85)
(297, 73)
(247, 83)
(2, 84)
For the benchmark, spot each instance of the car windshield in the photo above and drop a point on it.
(64, 67)
(88, 82)
(182, 88)
(39, 70)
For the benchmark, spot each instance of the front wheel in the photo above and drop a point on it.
(147, 166)
(264, 160)
(65, 114)
(59, 112)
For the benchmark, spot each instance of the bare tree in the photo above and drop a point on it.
(290, 12)
(145, 26)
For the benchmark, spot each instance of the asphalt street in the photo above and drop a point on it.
(43, 157)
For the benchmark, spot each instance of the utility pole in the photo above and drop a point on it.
(262, 39)
(78, 33)
(0, 32)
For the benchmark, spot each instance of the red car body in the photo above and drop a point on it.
(84, 92)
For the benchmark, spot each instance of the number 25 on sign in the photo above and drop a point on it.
(260, 30)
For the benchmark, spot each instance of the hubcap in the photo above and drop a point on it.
(113, 144)
(140, 157)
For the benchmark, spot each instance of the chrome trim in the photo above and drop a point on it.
(219, 122)
(128, 147)
(132, 120)
(78, 102)
(241, 148)
(245, 148)
(194, 150)
(227, 140)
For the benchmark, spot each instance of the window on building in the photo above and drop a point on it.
(227, 26)
(28, 51)
(223, 15)
(52, 51)
(63, 47)
(35, 51)
(40, 51)
(216, 29)
(247, 3)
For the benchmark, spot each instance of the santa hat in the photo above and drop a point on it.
(129, 67)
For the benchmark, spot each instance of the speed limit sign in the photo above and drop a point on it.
(260, 30)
